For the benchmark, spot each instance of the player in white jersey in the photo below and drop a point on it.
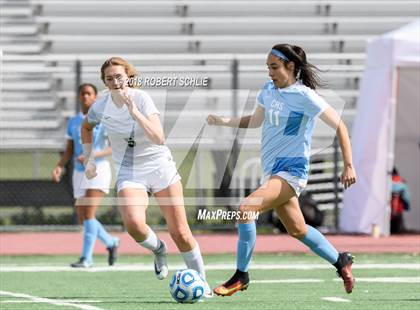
(88, 193)
(287, 108)
(143, 164)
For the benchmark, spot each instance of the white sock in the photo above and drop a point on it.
(194, 260)
(152, 242)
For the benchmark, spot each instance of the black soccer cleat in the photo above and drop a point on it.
(81, 263)
(343, 265)
(238, 282)
(112, 252)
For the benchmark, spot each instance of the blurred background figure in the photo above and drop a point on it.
(88, 193)
(400, 202)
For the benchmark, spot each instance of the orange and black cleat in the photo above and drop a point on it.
(343, 265)
(238, 282)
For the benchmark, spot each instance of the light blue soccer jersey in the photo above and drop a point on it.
(289, 121)
(73, 133)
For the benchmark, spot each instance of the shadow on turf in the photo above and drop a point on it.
(169, 302)
(140, 302)
(110, 300)
(136, 301)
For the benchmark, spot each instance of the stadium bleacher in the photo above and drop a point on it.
(41, 40)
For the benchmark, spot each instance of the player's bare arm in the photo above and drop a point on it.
(151, 124)
(249, 121)
(331, 118)
(87, 138)
(58, 169)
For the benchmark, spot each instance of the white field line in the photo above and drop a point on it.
(387, 280)
(335, 299)
(372, 280)
(149, 267)
(76, 301)
(289, 281)
(49, 301)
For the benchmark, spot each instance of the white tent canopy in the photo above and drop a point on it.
(387, 121)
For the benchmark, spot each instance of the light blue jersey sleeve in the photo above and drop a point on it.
(69, 134)
(265, 91)
(260, 99)
(100, 138)
(314, 104)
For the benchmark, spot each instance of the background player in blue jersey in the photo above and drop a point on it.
(88, 193)
(287, 108)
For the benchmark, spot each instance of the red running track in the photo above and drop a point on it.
(60, 243)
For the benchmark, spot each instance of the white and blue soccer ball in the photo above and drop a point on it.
(187, 286)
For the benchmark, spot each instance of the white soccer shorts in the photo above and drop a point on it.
(101, 182)
(296, 183)
(163, 174)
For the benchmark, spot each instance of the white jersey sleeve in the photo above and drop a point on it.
(92, 116)
(145, 104)
(96, 111)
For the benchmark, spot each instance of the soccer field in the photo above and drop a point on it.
(277, 282)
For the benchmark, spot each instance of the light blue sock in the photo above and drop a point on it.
(90, 232)
(320, 245)
(247, 235)
(104, 236)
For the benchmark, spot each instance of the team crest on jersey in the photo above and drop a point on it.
(277, 105)
(130, 142)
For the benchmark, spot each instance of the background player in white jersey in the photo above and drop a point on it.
(287, 108)
(88, 193)
(143, 164)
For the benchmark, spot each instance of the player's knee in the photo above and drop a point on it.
(80, 219)
(181, 237)
(297, 232)
(242, 209)
(137, 230)
(86, 216)
(244, 214)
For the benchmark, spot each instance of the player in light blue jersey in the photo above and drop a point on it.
(287, 109)
(88, 193)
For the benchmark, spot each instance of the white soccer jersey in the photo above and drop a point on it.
(130, 146)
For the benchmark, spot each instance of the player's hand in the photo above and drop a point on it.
(348, 177)
(90, 170)
(117, 97)
(90, 167)
(213, 119)
(81, 159)
(56, 174)
(129, 102)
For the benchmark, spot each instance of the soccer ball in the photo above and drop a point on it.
(187, 286)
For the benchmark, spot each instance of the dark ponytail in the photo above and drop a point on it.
(304, 71)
